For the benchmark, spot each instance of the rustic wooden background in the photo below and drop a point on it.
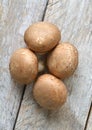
(18, 110)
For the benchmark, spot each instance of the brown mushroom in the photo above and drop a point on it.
(23, 66)
(42, 36)
(49, 92)
(63, 60)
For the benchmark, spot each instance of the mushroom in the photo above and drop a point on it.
(41, 66)
(41, 37)
(41, 63)
(63, 60)
(49, 92)
(23, 66)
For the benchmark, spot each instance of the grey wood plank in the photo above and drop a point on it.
(15, 17)
(89, 125)
(74, 20)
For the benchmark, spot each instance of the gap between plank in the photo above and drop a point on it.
(89, 112)
(26, 85)
(19, 106)
(45, 10)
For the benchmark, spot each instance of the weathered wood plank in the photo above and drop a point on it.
(74, 20)
(15, 17)
(89, 125)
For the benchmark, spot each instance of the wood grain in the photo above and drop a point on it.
(15, 17)
(89, 125)
(74, 20)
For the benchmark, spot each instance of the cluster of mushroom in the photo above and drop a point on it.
(62, 60)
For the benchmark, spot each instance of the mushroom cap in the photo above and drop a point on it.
(63, 60)
(49, 92)
(23, 66)
(42, 36)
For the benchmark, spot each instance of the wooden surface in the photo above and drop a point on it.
(89, 125)
(74, 19)
(15, 17)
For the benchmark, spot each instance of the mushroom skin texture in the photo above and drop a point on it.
(63, 60)
(49, 92)
(41, 37)
(23, 66)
